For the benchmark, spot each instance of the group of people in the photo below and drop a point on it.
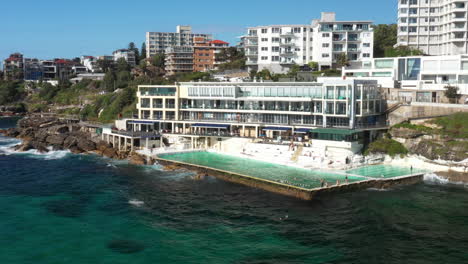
(324, 184)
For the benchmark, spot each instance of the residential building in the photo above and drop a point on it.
(435, 27)
(90, 63)
(13, 67)
(204, 54)
(106, 58)
(419, 78)
(33, 70)
(50, 70)
(279, 47)
(128, 55)
(179, 59)
(159, 42)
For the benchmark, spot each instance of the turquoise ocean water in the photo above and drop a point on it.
(64, 208)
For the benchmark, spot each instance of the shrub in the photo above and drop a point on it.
(386, 146)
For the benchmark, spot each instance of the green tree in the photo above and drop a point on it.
(402, 51)
(132, 47)
(105, 65)
(108, 83)
(122, 65)
(143, 51)
(342, 60)
(313, 65)
(11, 91)
(158, 60)
(451, 92)
(231, 59)
(385, 37)
(123, 79)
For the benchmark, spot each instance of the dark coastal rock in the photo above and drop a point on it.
(24, 147)
(11, 132)
(75, 150)
(102, 146)
(70, 142)
(56, 140)
(41, 135)
(110, 153)
(125, 246)
(137, 159)
(87, 145)
(27, 133)
(405, 133)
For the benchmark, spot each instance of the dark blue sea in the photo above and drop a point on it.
(65, 208)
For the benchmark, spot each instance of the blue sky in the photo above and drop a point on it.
(56, 28)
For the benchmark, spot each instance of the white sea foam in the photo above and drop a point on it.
(136, 202)
(436, 179)
(8, 149)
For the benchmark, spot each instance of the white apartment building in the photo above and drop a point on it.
(436, 27)
(418, 78)
(278, 47)
(158, 42)
(128, 55)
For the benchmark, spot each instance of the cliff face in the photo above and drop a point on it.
(430, 144)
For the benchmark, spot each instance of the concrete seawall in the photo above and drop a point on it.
(293, 191)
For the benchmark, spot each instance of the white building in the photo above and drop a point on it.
(128, 55)
(420, 78)
(435, 27)
(90, 63)
(158, 42)
(278, 47)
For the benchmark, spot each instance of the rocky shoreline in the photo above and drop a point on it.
(42, 133)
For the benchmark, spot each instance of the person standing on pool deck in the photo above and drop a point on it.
(411, 168)
(346, 179)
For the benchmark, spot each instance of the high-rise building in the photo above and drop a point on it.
(278, 47)
(435, 27)
(179, 59)
(158, 42)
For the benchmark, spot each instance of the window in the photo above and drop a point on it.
(264, 58)
(275, 40)
(325, 45)
(274, 58)
(275, 30)
(325, 35)
(264, 30)
(264, 39)
(366, 55)
(264, 48)
(297, 30)
(325, 55)
(275, 49)
(366, 45)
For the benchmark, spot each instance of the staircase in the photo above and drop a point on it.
(297, 153)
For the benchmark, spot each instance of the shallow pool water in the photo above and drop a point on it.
(283, 174)
(384, 171)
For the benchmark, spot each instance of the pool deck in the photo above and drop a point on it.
(295, 191)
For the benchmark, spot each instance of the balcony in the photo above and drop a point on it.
(287, 44)
(287, 34)
(354, 50)
(287, 54)
(354, 39)
(251, 53)
(251, 44)
(253, 62)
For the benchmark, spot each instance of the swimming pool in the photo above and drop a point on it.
(303, 178)
(384, 171)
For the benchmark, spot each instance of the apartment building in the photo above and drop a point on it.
(159, 42)
(128, 55)
(13, 67)
(418, 78)
(278, 47)
(204, 54)
(179, 59)
(436, 27)
(33, 70)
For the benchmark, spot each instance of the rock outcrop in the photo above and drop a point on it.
(42, 132)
